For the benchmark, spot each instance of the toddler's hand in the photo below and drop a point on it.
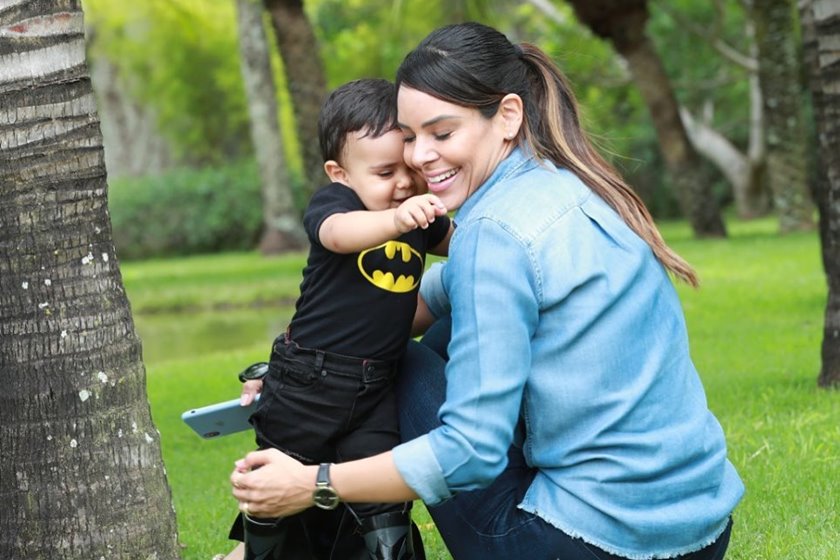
(418, 212)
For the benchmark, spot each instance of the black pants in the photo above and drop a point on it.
(322, 407)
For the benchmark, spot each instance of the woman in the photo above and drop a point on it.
(571, 422)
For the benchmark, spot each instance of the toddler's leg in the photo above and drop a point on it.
(265, 539)
(392, 536)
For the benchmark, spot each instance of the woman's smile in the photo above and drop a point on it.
(439, 182)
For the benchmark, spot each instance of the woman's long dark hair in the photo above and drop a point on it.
(475, 66)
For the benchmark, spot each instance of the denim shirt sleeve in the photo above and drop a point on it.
(433, 292)
(493, 289)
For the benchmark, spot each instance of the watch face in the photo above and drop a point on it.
(325, 498)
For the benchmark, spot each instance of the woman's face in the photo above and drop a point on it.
(454, 148)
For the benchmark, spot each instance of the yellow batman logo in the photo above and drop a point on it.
(399, 271)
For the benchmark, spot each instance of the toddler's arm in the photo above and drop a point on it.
(351, 232)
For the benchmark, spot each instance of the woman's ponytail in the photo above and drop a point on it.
(552, 131)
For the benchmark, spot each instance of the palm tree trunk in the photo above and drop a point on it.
(282, 230)
(786, 134)
(820, 23)
(81, 474)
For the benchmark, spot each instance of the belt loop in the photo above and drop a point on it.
(319, 361)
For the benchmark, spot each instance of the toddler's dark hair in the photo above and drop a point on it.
(368, 104)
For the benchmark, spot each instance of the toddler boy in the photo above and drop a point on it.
(328, 394)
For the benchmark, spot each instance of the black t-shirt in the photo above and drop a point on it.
(359, 304)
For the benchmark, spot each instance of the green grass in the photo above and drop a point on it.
(755, 326)
(212, 282)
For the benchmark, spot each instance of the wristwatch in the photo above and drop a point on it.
(254, 371)
(325, 496)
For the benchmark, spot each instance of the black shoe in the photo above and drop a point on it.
(266, 539)
(389, 536)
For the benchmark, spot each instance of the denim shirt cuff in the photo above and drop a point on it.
(420, 469)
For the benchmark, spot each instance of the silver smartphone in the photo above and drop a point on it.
(220, 419)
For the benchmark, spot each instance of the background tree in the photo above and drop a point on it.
(135, 145)
(178, 61)
(282, 229)
(786, 133)
(745, 169)
(81, 474)
(820, 22)
(623, 24)
(305, 80)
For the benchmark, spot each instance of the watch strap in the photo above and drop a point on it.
(323, 478)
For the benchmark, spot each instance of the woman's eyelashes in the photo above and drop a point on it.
(439, 136)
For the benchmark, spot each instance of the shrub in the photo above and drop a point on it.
(187, 211)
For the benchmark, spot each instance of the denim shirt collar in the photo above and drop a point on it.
(512, 165)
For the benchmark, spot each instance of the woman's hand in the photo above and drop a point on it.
(271, 484)
(250, 389)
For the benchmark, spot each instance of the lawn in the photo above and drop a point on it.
(755, 326)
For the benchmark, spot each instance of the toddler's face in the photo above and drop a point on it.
(376, 171)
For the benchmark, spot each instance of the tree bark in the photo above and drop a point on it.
(786, 134)
(623, 24)
(81, 474)
(282, 230)
(305, 78)
(820, 21)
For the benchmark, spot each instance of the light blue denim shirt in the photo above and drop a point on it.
(563, 317)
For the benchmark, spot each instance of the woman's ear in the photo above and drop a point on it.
(511, 112)
(335, 172)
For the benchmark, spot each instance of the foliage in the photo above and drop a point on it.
(755, 330)
(181, 57)
(187, 211)
(369, 38)
(703, 80)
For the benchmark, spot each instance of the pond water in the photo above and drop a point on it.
(174, 336)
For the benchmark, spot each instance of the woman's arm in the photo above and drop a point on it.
(442, 248)
(271, 484)
(423, 317)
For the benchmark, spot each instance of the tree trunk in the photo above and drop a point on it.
(623, 22)
(81, 474)
(282, 230)
(786, 134)
(744, 173)
(133, 144)
(305, 78)
(820, 20)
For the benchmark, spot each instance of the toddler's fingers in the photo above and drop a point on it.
(438, 205)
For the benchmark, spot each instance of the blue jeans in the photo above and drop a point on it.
(486, 524)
